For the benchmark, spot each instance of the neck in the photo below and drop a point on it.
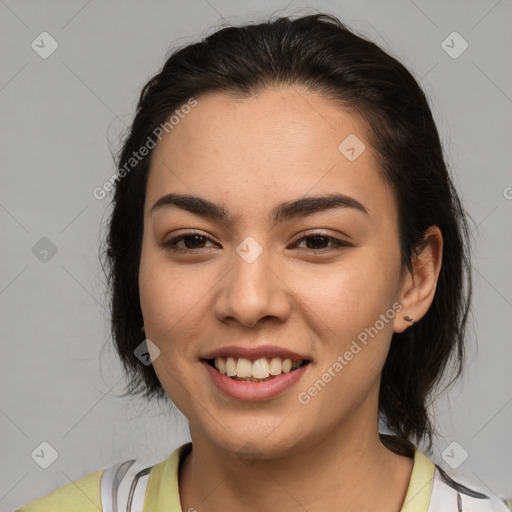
(348, 469)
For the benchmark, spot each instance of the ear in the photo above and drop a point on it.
(419, 286)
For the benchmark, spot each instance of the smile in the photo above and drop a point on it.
(258, 370)
(255, 380)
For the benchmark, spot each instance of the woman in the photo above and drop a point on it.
(286, 236)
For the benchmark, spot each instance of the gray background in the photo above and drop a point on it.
(59, 118)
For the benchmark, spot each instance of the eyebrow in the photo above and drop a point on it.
(302, 207)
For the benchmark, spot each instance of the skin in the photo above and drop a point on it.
(250, 155)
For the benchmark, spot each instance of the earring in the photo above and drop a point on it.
(408, 318)
(142, 329)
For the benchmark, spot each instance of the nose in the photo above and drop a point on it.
(251, 291)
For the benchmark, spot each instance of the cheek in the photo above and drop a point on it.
(170, 302)
(345, 309)
(351, 307)
(351, 294)
(167, 297)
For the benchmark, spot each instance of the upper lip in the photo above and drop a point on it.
(255, 352)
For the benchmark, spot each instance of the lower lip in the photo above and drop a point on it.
(255, 391)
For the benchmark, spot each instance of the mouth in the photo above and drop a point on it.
(262, 369)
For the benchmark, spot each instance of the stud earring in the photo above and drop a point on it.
(408, 318)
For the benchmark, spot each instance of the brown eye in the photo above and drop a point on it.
(318, 242)
(192, 242)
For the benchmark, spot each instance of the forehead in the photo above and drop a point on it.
(278, 145)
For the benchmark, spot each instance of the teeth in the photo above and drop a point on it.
(220, 365)
(243, 367)
(276, 366)
(230, 367)
(262, 368)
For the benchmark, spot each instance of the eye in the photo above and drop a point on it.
(192, 242)
(317, 239)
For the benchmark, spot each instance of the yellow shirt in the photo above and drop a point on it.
(162, 489)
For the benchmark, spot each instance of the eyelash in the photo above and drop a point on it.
(171, 245)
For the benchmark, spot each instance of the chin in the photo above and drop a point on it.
(250, 440)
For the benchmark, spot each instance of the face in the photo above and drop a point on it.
(321, 282)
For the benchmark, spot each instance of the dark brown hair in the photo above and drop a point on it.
(321, 53)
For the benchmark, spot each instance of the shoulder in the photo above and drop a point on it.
(130, 483)
(82, 495)
(431, 489)
(461, 493)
